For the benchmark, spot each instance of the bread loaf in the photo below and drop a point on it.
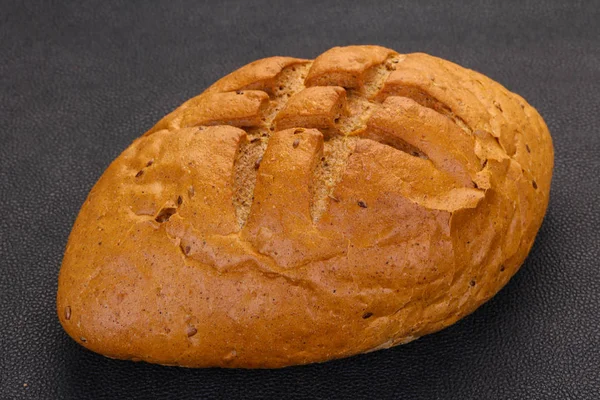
(299, 211)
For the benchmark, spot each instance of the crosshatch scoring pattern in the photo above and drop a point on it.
(335, 206)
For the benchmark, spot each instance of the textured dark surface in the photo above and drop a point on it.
(79, 82)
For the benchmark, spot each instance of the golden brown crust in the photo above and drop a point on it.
(313, 107)
(346, 66)
(300, 211)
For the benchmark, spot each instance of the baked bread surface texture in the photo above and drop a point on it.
(299, 211)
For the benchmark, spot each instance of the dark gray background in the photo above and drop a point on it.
(79, 82)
